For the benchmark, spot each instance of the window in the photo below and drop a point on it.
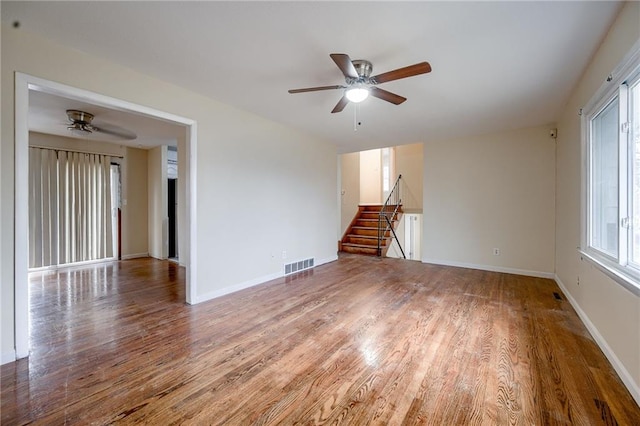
(70, 216)
(386, 158)
(611, 141)
(604, 180)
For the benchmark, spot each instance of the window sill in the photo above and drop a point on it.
(627, 281)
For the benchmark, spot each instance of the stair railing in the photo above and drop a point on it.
(387, 214)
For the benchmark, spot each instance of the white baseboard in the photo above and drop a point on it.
(134, 256)
(627, 378)
(251, 283)
(7, 357)
(237, 287)
(326, 260)
(491, 268)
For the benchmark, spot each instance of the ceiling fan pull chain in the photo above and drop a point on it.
(355, 118)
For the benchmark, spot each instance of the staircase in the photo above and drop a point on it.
(361, 236)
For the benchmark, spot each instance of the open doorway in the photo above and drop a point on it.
(27, 85)
(366, 180)
(172, 203)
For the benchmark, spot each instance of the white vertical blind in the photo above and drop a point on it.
(69, 207)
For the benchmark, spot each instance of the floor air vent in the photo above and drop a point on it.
(301, 265)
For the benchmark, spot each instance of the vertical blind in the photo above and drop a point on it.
(69, 207)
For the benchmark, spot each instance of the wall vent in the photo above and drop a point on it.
(301, 265)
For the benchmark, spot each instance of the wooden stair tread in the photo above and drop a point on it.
(372, 220)
(358, 245)
(367, 228)
(368, 241)
(368, 250)
(366, 236)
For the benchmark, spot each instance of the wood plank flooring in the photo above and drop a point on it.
(358, 341)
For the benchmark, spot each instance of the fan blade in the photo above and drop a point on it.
(344, 63)
(340, 105)
(116, 131)
(386, 96)
(410, 71)
(315, 89)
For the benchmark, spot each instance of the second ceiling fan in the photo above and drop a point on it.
(360, 83)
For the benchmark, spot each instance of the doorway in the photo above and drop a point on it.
(25, 83)
(173, 190)
(172, 210)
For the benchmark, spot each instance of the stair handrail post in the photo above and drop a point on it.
(379, 248)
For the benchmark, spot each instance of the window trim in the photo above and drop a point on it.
(617, 269)
(611, 270)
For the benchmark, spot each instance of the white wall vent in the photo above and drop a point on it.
(301, 265)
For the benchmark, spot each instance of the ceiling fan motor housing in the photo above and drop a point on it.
(80, 121)
(76, 116)
(364, 69)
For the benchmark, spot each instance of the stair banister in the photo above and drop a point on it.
(392, 200)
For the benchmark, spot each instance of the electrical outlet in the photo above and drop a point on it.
(284, 254)
(496, 252)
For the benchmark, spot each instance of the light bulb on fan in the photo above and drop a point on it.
(357, 93)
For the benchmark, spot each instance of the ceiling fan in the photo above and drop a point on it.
(360, 84)
(81, 122)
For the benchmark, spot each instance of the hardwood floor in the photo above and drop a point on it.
(358, 341)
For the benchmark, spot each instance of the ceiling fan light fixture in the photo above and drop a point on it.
(357, 94)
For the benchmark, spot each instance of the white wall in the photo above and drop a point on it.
(611, 312)
(157, 202)
(240, 229)
(135, 217)
(370, 177)
(493, 191)
(350, 188)
(409, 163)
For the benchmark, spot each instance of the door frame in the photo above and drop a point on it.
(23, 84)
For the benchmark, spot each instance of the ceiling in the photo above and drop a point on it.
(496, 65)
(47, 114)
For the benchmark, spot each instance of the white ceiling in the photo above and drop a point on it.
(496, 65)
(47, 114)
